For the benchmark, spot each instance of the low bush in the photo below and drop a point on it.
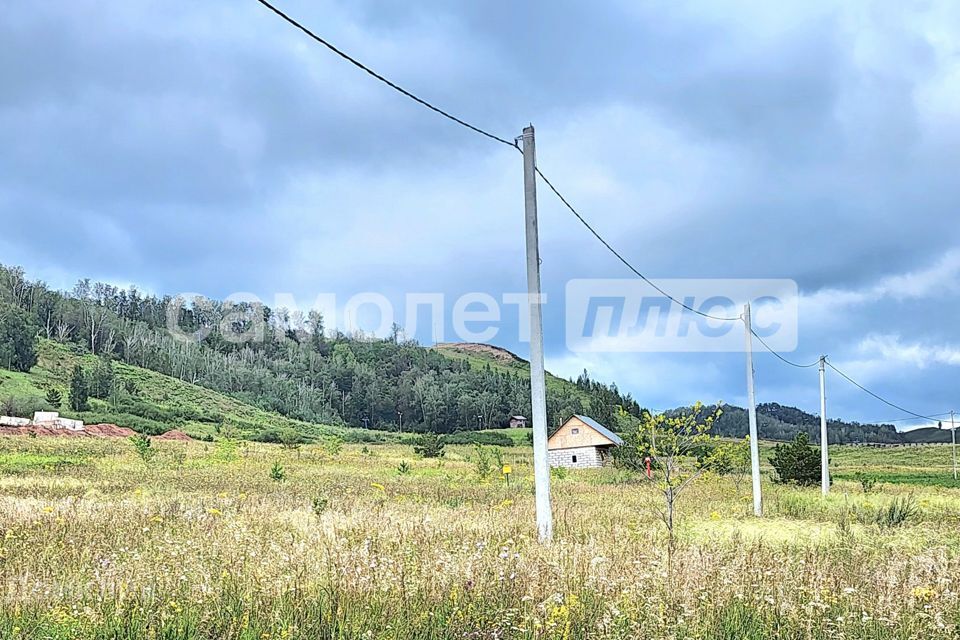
(479, 437)
(898, 511)
(139, 424)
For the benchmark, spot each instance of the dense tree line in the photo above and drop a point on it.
(282, 362)
(779, 422)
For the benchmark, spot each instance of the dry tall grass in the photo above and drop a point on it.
(202, 543)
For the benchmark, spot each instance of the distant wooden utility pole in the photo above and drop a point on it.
(538, 389)
(824, 443)
(752, 414)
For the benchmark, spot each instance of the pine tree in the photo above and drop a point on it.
(78, 390)
(100, 383)
(797, 461)
(54, 398)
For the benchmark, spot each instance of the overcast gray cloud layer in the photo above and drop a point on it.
(210, 147)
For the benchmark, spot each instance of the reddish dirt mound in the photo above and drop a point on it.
(174, 434)
(89, 431)
(108, 430)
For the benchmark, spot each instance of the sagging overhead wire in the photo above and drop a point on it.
(491, 136)
(934, 415)
(620, 257)
(384, 80)
(789, 362)
(881, 399)
(851, 381)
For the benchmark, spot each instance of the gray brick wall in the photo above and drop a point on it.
(586, 457)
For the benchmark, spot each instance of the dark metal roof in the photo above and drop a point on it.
(593, 424)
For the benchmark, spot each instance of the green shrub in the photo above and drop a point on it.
(867, 481)
(277, 474)
(478, 437)
(319, 504)
(143, 447)
(332, 445)
(430, 445)
(898, 511)
(22, 406)
(796, 462)
(482, 461)
(137, 423)
(358, 436)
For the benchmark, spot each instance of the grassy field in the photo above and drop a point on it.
(372, 542)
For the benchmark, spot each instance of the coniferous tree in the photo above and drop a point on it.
(796, 461)
(18, 339)
(54, 398)
(78, 390)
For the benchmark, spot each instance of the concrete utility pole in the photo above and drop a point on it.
(824, 443)
(400, 417)
(752, 412)
(538, 389)
(953, 441)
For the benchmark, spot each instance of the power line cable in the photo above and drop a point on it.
(565, 202)
(789, 362)
(935, 415)
(881, 399)
(489, 135)
(620, 257)
(384, 80)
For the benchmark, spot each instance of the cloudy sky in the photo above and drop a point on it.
(209, 147)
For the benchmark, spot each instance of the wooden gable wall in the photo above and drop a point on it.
(587, 436)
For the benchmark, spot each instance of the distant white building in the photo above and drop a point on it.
(52, 420)
(10, 421)
(581, 442)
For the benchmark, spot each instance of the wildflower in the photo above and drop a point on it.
(923, 593)
(214, 512)
(377, 485)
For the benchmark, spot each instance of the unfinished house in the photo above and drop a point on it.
(581, 443)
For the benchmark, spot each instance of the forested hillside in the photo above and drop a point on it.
(278, 361)
(257, 359)
(779, 422)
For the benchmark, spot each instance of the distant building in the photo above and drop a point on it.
(52, 420)
(518, 421)
(580, 443)
(10, 421)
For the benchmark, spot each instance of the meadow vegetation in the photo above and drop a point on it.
(254, 541)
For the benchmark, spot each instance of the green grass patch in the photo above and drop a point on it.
(922, 478)
(25, 462)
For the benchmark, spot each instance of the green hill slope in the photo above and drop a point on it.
(499, 359)
(148, 401)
